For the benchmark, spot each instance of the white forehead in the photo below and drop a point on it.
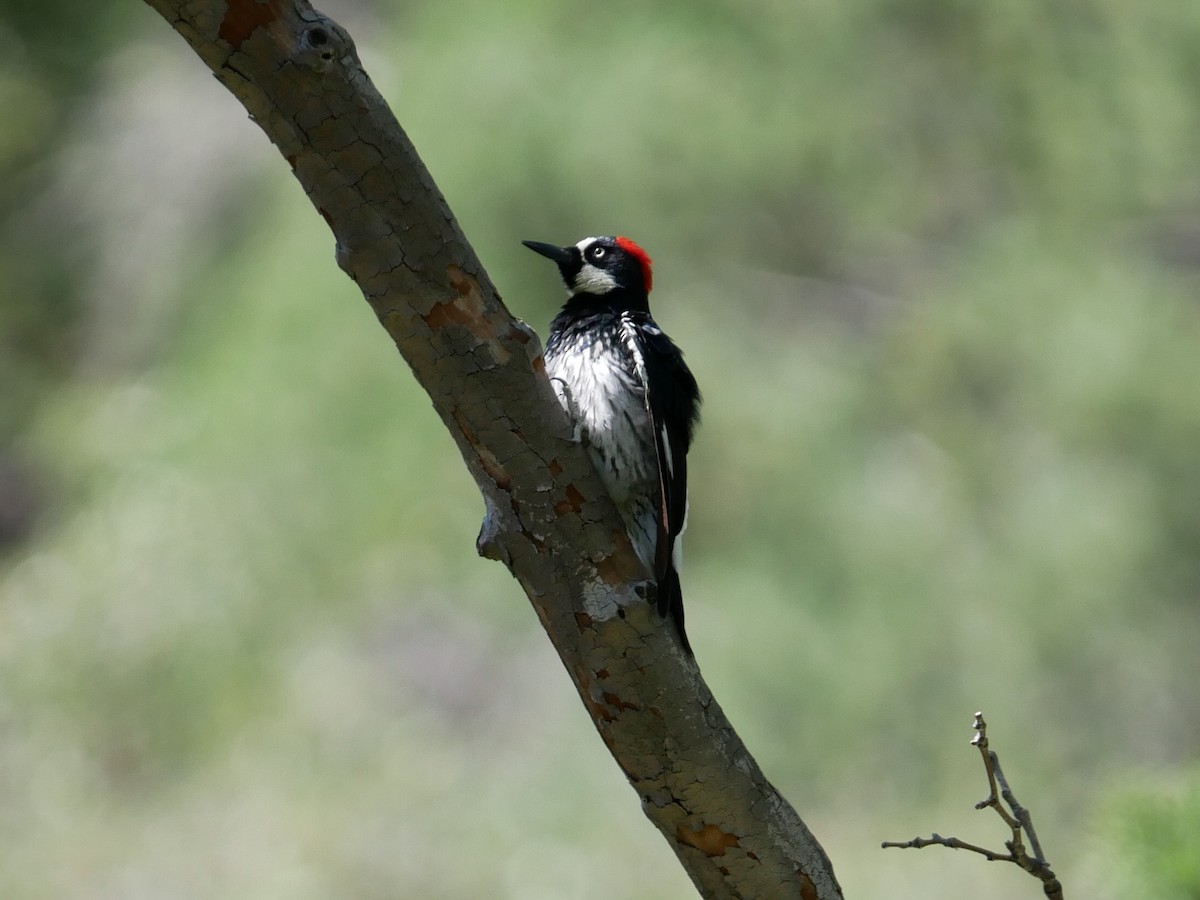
(587, 242)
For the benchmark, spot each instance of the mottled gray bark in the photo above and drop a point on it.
(548, 518)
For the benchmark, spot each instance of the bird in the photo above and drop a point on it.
(633, 400)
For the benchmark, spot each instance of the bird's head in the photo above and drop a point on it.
(600, 265)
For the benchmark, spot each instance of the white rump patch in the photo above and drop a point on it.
(677, 550)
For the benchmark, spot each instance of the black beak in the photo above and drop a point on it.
(561, 255)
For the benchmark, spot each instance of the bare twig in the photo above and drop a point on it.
(1016, 817)
(952, 842)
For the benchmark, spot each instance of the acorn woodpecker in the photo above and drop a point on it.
(632, 398)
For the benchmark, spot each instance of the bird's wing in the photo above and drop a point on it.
(671, 404)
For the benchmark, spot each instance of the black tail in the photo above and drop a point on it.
(670, 603)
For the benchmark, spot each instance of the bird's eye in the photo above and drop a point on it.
(598, 252)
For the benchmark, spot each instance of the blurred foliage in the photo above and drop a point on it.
(935, 265)
(49, 54)
(1154, 829)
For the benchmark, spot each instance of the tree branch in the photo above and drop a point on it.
(1018, 821)
(548, 518)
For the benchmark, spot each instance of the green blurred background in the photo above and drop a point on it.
(936, 265)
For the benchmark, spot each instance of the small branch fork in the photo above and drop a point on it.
(1016, 817)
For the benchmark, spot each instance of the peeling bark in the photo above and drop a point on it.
(548, 518)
